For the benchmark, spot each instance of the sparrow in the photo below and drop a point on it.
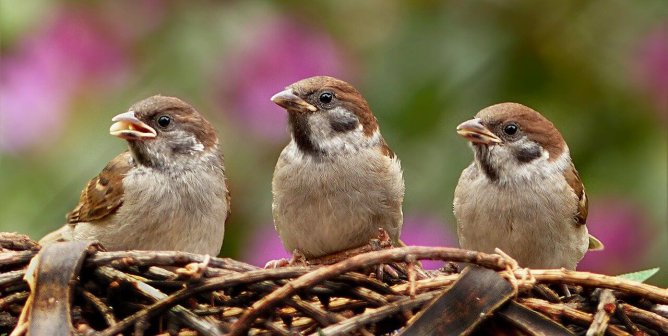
(167, 192)
(522, 193)
(337, 182)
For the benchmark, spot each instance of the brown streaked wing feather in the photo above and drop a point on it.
(104, 193)
(574, 181)
(385, 149)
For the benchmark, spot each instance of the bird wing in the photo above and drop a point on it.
(104, 193)
(574, 181)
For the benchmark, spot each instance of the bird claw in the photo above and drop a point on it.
(297, 259)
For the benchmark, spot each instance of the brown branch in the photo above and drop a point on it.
(626, 321)
(184, 315)
(587, 279)
(16, 257)
(101, 307)
(646, 317)
(359, 321)
(606, 307)
(162, 258)
(558, 310)
(492, 261)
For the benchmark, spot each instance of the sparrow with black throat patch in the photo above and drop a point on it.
(522, 193)
(168, 192)
(337, 182)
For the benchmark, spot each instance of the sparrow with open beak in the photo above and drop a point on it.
(168, 192)
(522, 193)
(337, 182)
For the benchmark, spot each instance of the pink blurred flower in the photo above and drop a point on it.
(263, 245)
(282, 53)
(625, 233)
(423, 230)
(40, 77)
(651, 68)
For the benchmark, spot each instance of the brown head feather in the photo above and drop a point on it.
(532, 123)
(182, 112)
(349, 97)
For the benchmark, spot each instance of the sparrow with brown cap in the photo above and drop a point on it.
(168, 192)
(522, 193)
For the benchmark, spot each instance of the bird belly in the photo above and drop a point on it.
(531, 225)
(325, 207)
(161, 212)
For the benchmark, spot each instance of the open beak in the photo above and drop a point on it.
(127, 126)
(473, 130)
(291, 102)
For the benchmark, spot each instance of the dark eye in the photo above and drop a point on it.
(164, 121)
(510, 129)
(326, 97)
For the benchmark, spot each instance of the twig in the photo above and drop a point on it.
(13, 298)
(606, 307)
(565, 276)
(163, 258)
(366, 318)
(12, 277)
(646, 317)
(563, 310)
(102, 308)
(149, 292)
(16, 257)
(621, 315)
(360, 261)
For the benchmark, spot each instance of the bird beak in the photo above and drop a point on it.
(473, 130)
(127, 126)
(290, 101)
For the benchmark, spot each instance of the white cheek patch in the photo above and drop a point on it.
(198, 146)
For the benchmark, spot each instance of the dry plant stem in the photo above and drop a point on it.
(621, 315)
(184, 315)
(646, 317)
(13, 298)
(16, 257)
(653, 293)
(354, 323)
(606, 307)
(12, 277)
(492, 261)
(558, 310)
(102, 308)
(207, 285)
(162, 258)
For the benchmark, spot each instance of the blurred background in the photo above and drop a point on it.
(598, 69)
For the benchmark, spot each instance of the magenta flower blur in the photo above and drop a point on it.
(41, 75)
(625, 233)
(426, 230)
(282, 53)
(264, 244)
(652, 68)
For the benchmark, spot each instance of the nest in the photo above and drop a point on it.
(77, 288)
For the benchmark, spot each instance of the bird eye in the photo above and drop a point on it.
(510, 129)
(164, 121)
(326, 97)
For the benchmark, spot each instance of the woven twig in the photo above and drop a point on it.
(149, 292)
